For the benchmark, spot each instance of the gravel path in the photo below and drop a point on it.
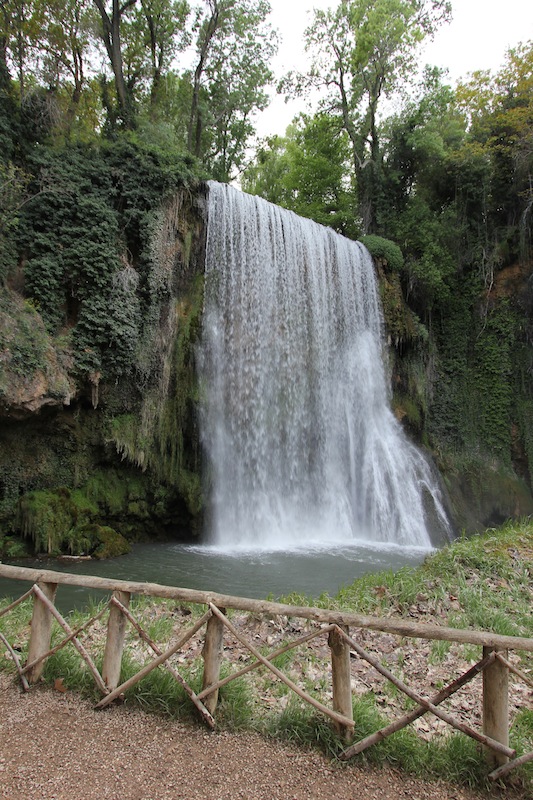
(54, 746)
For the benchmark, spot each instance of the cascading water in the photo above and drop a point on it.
(301, 443)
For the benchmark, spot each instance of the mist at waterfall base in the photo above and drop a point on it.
(303, 451)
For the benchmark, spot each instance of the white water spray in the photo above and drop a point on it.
(301, 443)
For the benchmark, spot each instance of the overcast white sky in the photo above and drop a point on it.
(478, 37)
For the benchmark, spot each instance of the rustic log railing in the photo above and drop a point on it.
(494, 665)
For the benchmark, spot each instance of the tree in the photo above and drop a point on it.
(166, 34)
(206, 33)
(47, 44)
(110, 32)
(18, 22)
(307, 171)
(359, 52)
(234, 46)
(427, 177)
(64, 39)
(500, 112)
(266, 175)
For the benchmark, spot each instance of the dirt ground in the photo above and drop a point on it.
(54, 746)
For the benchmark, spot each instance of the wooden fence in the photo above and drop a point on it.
(494, 665)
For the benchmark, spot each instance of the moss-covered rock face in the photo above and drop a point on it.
(486, 495)
(103, 541)
(463, 388)
(34, 367)
(58, 474)
(62, 521)
(98, 398)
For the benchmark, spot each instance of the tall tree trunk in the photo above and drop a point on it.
(77, 74)
(111, 39)
(359, 163)
(194, 133)
(21, 50)
(157, 55)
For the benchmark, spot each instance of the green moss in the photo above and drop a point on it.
(483, 493)
(12, 547)
(492, 371)
(139, 509)
(124, 430)
(190, 486)
(163, 435)
(64, 520)
(108, 543)
(401, 322)
(406, 410)
(26, 349)
(45, 517)
(108, 490)
(23, 340)
(82, 503)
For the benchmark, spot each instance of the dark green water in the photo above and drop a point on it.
(247, 573)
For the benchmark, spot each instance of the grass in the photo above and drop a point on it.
(483, 582)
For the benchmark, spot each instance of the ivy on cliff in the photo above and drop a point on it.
(84, 237)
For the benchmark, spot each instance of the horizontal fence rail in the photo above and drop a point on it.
(396, 626)
(494, 666)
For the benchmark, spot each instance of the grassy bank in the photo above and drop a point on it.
(485, 582)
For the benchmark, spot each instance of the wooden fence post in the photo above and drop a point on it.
(116, 631)
(41, 630)
(341, 679)
(212, 655)
(496, 706)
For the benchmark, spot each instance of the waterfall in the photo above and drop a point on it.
(301, 444)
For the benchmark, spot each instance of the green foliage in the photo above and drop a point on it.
(521, 735)
(475, 406)
(164, 435)
(493, 360)
(233, 47)
(62, 520)
(384, 250)
(13, 186)
(307, 172)
(360, 51)
(16, 626)
(429, 263)
(159, 692)
(91, 277)
(9, 116)
(24, 343)
(97, 518)
(67, 666)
